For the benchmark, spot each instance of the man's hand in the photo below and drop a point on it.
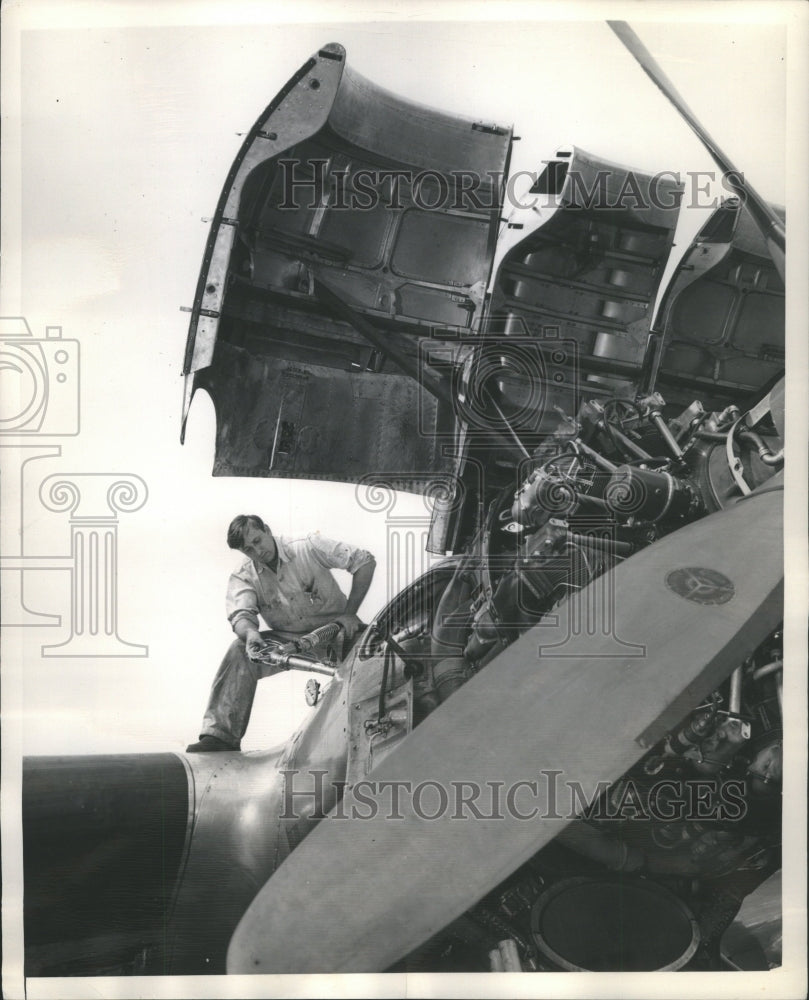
(254, 644)
(350, 623)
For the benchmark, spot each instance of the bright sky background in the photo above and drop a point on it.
(128, 128)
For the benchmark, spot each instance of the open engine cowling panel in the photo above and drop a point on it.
(342, 181)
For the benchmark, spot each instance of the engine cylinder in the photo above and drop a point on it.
(647, 495)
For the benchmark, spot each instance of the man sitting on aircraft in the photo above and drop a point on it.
(288, 581)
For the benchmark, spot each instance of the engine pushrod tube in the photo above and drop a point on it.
(665, 433)
(735, 696)
(604, 544)
(596, 501)
(627, 442)
(599, 459)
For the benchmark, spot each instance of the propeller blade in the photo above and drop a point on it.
(771, 226)
(358, 894)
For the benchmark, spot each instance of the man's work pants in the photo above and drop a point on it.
(234, 688)
(232, 693)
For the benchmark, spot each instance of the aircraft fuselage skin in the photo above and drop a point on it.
(145, 863)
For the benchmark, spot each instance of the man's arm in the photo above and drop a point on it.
(360, 582)
(242, 611)
(250, 636)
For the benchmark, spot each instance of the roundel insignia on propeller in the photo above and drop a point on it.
(360, 893)
(701, 585)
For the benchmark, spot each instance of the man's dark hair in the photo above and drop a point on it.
(238, 526)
